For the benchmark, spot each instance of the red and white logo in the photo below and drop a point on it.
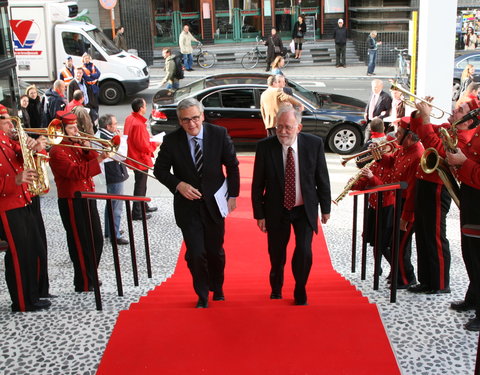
(25, 34)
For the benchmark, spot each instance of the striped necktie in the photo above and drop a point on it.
(198, 155)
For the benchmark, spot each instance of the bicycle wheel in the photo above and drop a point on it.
(206, 60)
(286, 58)
(250, 60)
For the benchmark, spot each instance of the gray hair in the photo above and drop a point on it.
(57, 84)
(105, 120)
(187, 103)
(78, 94)
(287, 107)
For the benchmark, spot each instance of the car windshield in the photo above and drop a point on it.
(185, 91)
(307, 95)
(102, 40)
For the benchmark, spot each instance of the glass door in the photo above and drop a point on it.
(166, 23)
(237, 20)
(284, 18)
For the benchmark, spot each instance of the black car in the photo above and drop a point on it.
(233, 101)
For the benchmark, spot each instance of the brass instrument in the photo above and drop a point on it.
(374, 153)
(32, 160)
(408, 101)
(352, 182)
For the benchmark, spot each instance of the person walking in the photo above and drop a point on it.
(277, 65)
(274, 47)
(340, 38)
(372, 46)
(298, 35)
(119, 39)
(290, 181)
(185, 43)
(170, 69)
(191, 165)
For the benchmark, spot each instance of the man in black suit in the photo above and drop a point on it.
(379, 105)
(197, 153)
(290, 179)
(78, 83)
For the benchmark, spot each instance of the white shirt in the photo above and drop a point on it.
(298, 189)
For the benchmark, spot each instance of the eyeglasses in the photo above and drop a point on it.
(186, 120)
(288, 128)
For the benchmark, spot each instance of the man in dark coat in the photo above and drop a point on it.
(55, 100)
(340, 37)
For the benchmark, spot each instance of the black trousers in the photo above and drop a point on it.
(19, 228)
(340, 50)
(432, 204)
(75, 221)
(139, 190)
(302, 256)
(205, 254)
(43, 281)
(469, 214)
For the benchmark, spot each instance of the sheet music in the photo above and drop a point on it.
(221, 197)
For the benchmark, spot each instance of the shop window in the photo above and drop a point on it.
(163, 6)
(5, 41)
(189, 6)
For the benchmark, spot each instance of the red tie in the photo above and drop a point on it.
(289, 198)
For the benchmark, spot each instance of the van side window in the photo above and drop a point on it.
(75, 44)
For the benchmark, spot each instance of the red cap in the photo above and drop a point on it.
(67, 118)
(473, 104)
(3, 110)
(405, 123)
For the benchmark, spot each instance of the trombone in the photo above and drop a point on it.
(55, 135)
(397, 87)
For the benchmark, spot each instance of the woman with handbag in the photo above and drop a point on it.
(298, 35)
(274, 47)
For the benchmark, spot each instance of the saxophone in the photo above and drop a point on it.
(32, 160)
(352, 182)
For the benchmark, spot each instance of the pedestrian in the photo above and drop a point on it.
(68, 72)
(372, 46)
(274, 47)
(340, 38)
(379, 105)
(35, 108)
(290, 181)
(191, 164)
(397, 111)
(119, 39)
(467, 77)
(470, 39)
(89, 99)
(23, 112)
(170, 70)
(54, 100)
(140, 149)
(91, 75)
(115, 176)
(298, 35)
(185, 43)
(277, 65)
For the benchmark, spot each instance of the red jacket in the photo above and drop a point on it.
(139, 146)
(469, 172)
(11, 163)
(73, 169)
(380, 173)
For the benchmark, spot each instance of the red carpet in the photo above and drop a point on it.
(339, 332)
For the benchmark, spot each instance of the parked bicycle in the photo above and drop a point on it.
(251, 58)
(204, 58)
(402, 65)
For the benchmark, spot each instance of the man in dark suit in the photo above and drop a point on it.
(78, 83)
(290, 179)
(379, 105)
(197, 153)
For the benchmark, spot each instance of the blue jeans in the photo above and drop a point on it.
(175, 84)
(372, 56)
(187, 60)
(116, 188)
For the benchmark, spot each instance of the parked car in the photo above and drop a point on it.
(461, 61)
(233, 101)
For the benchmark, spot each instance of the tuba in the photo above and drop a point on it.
(32, 160)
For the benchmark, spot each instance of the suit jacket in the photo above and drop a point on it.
(92, 100)
(384, 104)
(268, 183)
(218, 151)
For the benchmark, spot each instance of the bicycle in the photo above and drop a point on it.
(402, 73)
(204, 58)
(251, 58)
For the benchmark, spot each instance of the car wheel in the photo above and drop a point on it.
(111, 93)
(456, 90)
(344, 139)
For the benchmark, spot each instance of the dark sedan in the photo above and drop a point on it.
(233, 101)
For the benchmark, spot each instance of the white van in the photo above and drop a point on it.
(44, 35)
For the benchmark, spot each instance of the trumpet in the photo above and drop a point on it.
(396, 86)
(374, 153)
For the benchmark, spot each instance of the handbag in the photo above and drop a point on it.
(276, 48)
(292, 46)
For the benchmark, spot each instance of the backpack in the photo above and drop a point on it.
(179, 73)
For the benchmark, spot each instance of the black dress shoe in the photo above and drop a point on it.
(147, 216)
(152, 209)
(122, 241)
(276, 296)
(48, 296)
(41, 304)
(302, 302)
(461, 306)
(201, 304)
(405, 286)
(218, 296)
(419, 288)
(473, 325)
(438, 291)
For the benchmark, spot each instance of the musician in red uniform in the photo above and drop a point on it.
(18, 224)
(73, 169)
(467, 161)
(403, 165)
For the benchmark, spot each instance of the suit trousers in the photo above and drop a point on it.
(432, 204)
(19, 228)
(75, 221)
(340, 50)
(469, 208)
(43, 281)
(205, 255)
(302, 256)
(139, 190)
